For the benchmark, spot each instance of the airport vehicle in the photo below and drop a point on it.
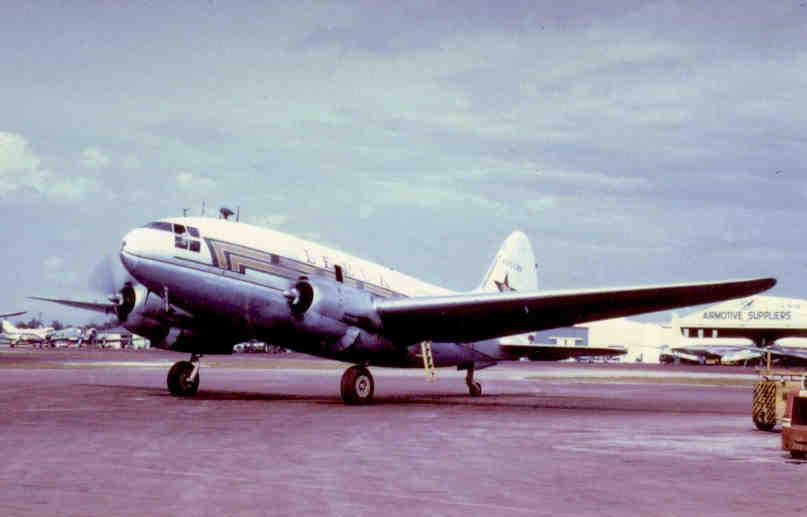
(200, 285)
(14, 336)
(770, 396)
(794, 426)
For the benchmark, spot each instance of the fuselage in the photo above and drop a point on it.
(15, 335)
(234, 279)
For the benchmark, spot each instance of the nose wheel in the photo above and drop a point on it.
(183, 377)
(357, 386)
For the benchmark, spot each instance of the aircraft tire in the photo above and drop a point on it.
(357, 386)
(178, 383)
(764, 426)
(475, 389)
(798, 455)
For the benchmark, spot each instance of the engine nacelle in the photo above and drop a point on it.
(136, 301)
(137, 311)
(334, 301)
(342, 316)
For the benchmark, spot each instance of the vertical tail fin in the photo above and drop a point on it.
(513, 268)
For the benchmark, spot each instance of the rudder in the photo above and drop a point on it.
(513, 268)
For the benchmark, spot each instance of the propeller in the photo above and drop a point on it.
(108, 277)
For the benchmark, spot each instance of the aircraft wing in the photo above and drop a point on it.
(105, 307)
(12, 314)
(478, 316)
(788, 353)
(561, 352)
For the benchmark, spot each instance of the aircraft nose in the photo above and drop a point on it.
(131, 245)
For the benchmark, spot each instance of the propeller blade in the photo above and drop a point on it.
(109, 276)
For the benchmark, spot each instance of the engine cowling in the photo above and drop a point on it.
(341, 316)
(136, 310)
(311, 298)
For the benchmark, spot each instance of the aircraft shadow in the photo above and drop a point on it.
(513, 401)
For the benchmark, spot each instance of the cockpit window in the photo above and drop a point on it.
(160, 225)
(185, 238)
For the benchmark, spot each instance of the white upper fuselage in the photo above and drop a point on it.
(218, 238)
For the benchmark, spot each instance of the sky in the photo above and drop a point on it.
(633, 142)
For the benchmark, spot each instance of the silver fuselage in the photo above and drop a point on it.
(233, 290)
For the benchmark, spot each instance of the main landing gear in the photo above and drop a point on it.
(357, 386)
(474, 388)
(183, 377)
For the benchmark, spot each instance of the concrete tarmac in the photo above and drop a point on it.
(96, 433)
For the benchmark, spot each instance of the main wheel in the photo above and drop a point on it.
(475, 389)
(357, 386)
(179, 383)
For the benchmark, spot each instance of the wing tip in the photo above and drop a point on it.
(763, 284)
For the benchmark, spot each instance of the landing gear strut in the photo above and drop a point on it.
(474, 388)
(357, 386)
(183, 377)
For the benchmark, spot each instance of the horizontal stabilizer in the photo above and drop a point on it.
(560, 352)
(477, 316)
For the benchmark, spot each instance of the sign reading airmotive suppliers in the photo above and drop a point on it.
(747, 315)
(757, 312)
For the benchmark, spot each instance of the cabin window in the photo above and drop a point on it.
(337, 271)
(193, 232)
(274, 259)
(180, 242)
(179, 229)
(195, 246)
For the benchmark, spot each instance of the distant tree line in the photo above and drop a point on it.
(58, 325)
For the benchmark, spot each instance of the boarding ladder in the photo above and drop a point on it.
(428, 360)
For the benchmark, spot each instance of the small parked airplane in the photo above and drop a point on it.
(14, 335)
(200, 285)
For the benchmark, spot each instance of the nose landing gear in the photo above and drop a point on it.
(183, 377)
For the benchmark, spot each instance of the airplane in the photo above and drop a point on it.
(71, 336)
(712, 355)
(201, 285)
(14, 335)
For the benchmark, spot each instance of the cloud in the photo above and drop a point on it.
(132, 162)
(55, 272)
(21, 169)
(15, 155)
(92, 158)
(541, 204)
(271, 220)
(192, 183)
